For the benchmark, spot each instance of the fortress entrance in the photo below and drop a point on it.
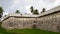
(35, 24)
(58, 28)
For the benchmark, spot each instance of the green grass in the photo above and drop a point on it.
(26, 31)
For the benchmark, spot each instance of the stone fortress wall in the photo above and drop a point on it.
(50, 22)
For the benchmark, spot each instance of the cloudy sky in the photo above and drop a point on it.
(10, 6)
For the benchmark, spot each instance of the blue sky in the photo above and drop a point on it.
(10, 6)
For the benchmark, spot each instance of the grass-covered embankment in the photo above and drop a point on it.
(26, 31)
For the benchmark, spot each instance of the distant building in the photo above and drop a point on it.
(48, 20)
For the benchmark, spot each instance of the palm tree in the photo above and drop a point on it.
(1, 12)
(5, 15)
(36, 12)
(43, 10)
(32, 9)
(25, 13)
(17, 11)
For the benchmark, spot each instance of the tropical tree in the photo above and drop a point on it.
(36, 12)
(25, 13)
(20, 14)
(5, 15)
(43, 10)
(1, 12)
(32, 9)
(17, 11)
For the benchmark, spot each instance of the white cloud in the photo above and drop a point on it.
(24, 5)
(28, 8)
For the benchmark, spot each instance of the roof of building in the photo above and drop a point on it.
(56, 9)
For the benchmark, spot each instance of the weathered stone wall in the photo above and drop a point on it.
(18, 23)
(49, 22)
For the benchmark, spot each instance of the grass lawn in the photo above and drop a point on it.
(26, 31)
